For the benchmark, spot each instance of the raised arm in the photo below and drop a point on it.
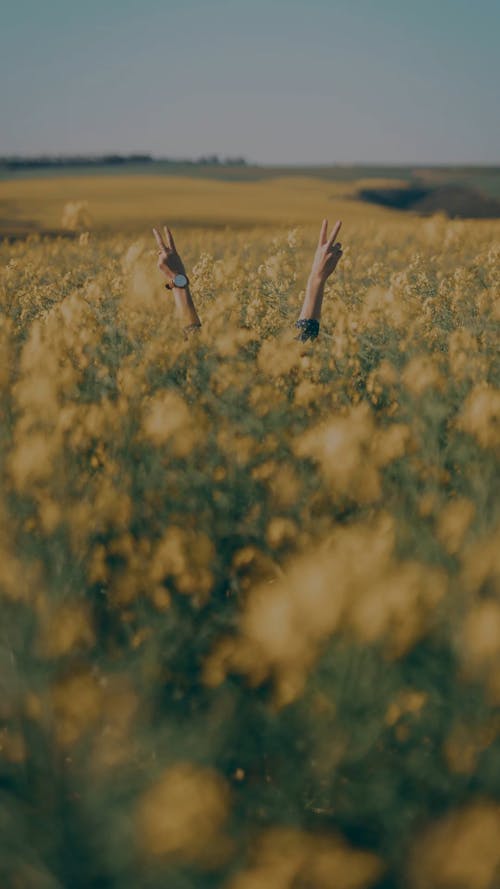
(172, 267)
(326, 259)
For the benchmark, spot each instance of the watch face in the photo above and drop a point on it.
(180, 281)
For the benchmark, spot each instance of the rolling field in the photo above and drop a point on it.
(130, 203)
(250, 587)
(113, 199)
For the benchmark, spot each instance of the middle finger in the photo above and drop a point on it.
(334, 233)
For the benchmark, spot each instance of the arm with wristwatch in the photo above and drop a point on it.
(172, 267)
(326, 259)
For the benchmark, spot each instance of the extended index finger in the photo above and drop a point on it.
(159, 240)
(336, 229)
(322, 233)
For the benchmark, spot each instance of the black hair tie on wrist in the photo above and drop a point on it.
(309, 329)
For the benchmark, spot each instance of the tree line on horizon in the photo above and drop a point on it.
(14, 162)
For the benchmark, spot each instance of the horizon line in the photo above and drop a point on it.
(213, 159)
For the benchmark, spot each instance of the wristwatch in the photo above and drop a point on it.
(179, 281)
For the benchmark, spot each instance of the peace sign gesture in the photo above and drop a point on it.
(328, 252)
(169, 261)
(326, 260)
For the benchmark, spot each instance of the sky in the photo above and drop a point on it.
(276, 81)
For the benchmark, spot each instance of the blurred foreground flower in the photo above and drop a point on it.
(167, 418)
(351, 450)
(182, 816)
(453, 522)
(480, 416)
(76, 216)
(352, 583)
(286, 857)
(461, 851)
(479, 646)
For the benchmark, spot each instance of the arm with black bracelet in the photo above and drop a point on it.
(326, 259)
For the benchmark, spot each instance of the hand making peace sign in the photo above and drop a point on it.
(328, 252)
(169, 261)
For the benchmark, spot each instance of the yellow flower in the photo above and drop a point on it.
(65, 628)
(453, 522)
(77, 701)
(350, 583)
(422, 373)
(167, 418)
(278, 356)
(460, 849)
(351, 450)
(286, 856)
(480, 416)
(76, 216)
(182, 816)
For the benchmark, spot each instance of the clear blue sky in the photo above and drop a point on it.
(288, 81)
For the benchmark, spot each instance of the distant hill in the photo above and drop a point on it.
(457, 201)
(483, 179)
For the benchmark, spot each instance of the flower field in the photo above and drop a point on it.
(250, 587)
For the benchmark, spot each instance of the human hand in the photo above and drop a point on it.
(169, 261)
(328, 253)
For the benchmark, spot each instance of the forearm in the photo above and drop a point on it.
(313, 300)
(185, 307)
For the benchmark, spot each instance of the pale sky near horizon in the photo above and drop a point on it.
(277, 81)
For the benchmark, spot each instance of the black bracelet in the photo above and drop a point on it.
(309, 329)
